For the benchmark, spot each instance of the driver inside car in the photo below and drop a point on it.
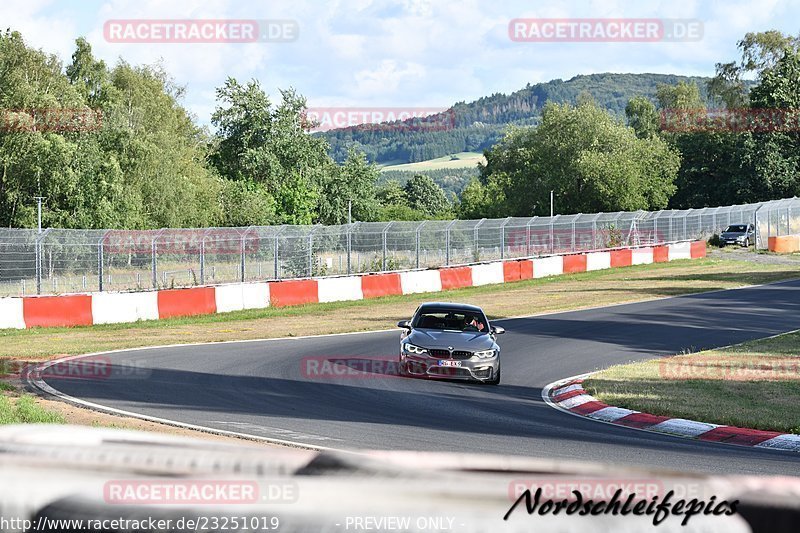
(472, 322)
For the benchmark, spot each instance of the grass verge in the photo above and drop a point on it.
(751, 385)
(25, 410)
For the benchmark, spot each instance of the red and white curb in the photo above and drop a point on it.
(568, 395)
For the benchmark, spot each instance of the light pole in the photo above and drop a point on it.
(39, 200)
(551, 203)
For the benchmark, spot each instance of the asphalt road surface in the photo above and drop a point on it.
(289, 389)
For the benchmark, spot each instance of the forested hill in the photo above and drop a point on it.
(477, 125)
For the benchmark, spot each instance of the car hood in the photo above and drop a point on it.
(437, 338)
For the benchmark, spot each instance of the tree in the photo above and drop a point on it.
(269, 145)
(353, 182)
(423, 194)
(682, 96)
(391, 193)
(642, 117)
(760, 53)
(591, 161)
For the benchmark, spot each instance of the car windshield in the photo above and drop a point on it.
(457, 320)
(737, 228)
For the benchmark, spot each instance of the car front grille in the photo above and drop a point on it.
(445, 354)
(450, 371)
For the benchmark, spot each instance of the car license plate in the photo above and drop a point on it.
(446, 362)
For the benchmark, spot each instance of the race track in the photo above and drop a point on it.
(260, 387)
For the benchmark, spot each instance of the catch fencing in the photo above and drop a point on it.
(57, 261)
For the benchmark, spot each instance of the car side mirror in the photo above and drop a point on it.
(405, 324)
(497, 330)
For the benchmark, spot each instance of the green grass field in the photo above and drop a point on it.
(462, 160)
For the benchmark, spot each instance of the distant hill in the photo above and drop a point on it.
(475, 126)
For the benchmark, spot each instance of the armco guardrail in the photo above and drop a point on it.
(121, 307)
(59, 261)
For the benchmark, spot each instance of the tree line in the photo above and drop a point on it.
(476, 126)
(145, 163)
(689, 147)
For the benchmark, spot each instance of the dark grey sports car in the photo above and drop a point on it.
(452, 341)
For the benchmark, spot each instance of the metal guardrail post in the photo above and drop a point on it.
(503, 237)
(552, 233)
(275, 252)
(447, 243)
(756, 229)
(100, 260)
(572, 245)
(417, 239)
(384, 232)
(39, 252)
(685, 216)
(154, 257)
(311, 251)
(477, 252)
(349, 247)
(788, 221)
(243, 265)
(528, 236)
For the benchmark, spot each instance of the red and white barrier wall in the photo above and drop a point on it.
(119, 307)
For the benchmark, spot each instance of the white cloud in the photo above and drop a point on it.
(397, 52)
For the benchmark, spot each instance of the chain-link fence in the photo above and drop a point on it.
(61, 261)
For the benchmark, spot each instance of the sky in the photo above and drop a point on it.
(395, 53)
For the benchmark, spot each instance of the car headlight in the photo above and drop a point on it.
(485, 354)
(410, 348)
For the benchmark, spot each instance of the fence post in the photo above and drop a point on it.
(684, 224)
(40, 237)
(349, 247)
(788, 221)
(503, 238)
(154, 257)
(572, 246)
(384, 232)
(153, 264)
(477, 253)
(203, 259)
(311, 253)
(38, 251)
(417, 239)
(100, 261)
(241, 254)
(528, 236)
(447, 243)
